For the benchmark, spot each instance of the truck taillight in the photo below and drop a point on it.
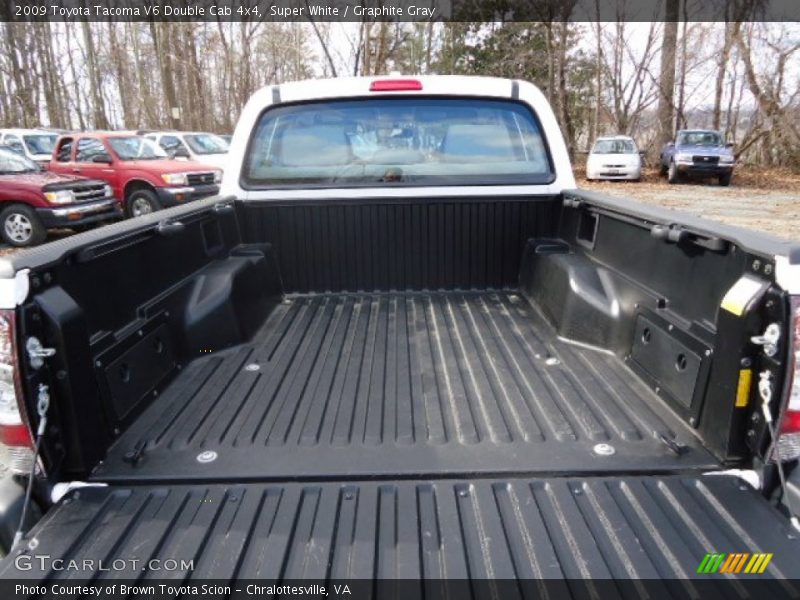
(395, 85)
(16, 442)
(788, 446)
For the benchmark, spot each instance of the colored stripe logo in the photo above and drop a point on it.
(737, 562)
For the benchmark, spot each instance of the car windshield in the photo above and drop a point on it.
(391, 141)
(12, 162)
(136, 148)
(614, 147)
(206, 143)
(40, 143)
(699, 138)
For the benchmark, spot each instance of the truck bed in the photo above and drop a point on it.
(401, 385)
(510, 531)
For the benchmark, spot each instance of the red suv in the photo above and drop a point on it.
(33, 201)
(141, 174)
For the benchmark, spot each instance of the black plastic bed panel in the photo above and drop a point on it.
(399, 244)
(387, 385)
(643, 528)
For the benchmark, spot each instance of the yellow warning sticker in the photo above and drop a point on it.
(741, 294)
(743, 389)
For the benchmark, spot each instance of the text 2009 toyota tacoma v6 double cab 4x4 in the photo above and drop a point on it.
(401, 345)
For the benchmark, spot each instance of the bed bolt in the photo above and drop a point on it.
(463, 493)
(48, 278)
(767, 269)
(756, 265)
(207, 456)
(98, 363)
(746, 362)
(140, 332)
(604, 449)
(252, 367)
(692, 421)
(348, 496)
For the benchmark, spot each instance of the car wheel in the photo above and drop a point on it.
(725, 180)
(21, 226)
(142, 202)
(672, 173)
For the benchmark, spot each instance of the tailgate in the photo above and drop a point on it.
(594, 528)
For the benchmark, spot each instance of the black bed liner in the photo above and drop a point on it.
(402, 385)
(576, 528)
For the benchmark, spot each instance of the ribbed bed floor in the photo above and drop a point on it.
(402, 385)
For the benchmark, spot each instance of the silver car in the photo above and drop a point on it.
(614, 157)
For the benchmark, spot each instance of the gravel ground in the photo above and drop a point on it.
(772, 207)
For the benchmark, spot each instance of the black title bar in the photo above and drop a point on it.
(396, 10)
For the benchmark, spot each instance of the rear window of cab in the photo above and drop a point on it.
(397, 141)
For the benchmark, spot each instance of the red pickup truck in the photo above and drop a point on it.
(141, 174)
(33, 201)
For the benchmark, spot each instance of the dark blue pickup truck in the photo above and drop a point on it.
(698, 153)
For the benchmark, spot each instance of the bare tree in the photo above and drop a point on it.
(627, 67)
(782, 133)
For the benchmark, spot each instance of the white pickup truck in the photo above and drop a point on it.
(401, 346)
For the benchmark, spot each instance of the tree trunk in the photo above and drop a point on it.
(98, 106)
(165, 67)
(25, 111)
(201, 115)
(563, 93)
(120, 59)
(551, 70)
(76, 88)
(666, 84)
(722, 68)
(49, 74)
(680, 116)
(598, 81)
